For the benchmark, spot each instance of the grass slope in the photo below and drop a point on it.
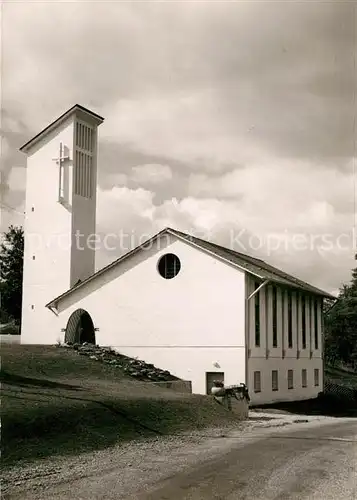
(55, 401)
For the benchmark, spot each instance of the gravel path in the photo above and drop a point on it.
(140, 463)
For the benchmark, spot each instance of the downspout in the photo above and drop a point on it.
(247, 335)
(258, 289)
(247, 325)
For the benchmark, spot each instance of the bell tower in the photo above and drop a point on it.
(60, 220)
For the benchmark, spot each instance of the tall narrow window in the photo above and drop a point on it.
(290, 379)
(274, 380)
(316, 377)
(257, 316)
(304, 378)
(297, 302)
(257, 382)
(303, 326)
(282, 311)
(316, 325)
(275, 318)
(290, 321)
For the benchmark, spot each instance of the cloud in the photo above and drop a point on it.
(183, 127)
(290, 193)
(190, 74)
(153, 173)
(303, 253)
(249, 104)
(17, 179)
(12, 170)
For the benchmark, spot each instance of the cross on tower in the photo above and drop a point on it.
(62, 157)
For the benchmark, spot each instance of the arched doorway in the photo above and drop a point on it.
(80, 328)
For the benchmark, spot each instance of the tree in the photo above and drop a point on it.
(341, 326)
(4, 316)
(11, 267)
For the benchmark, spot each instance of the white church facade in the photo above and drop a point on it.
(200, 310)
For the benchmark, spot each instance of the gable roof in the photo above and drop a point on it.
(249, 264)
(55, 123)
(256, 266)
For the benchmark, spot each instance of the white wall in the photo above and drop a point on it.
(265, 366)
(47, 237)
(49, 228)
(267, 358)
(185, 325)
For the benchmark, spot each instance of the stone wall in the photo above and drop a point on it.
(135, 368)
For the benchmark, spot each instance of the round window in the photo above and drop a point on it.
(169, 266)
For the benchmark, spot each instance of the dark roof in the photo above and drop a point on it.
(61, 118)
(254, 266)
(251, 265)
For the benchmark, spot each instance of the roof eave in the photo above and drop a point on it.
(56, 300)
(77, 107)
(321, 293)
(217, 256)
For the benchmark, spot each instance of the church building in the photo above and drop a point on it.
(197, 309)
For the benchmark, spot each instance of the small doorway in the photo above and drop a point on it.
(210, 377)
(80, 328)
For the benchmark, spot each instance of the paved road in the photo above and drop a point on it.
(317, 464)
(313, 462)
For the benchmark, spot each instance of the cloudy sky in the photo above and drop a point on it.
(232, 120)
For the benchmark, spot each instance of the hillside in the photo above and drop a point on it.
(55, 401)
(340, 376)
